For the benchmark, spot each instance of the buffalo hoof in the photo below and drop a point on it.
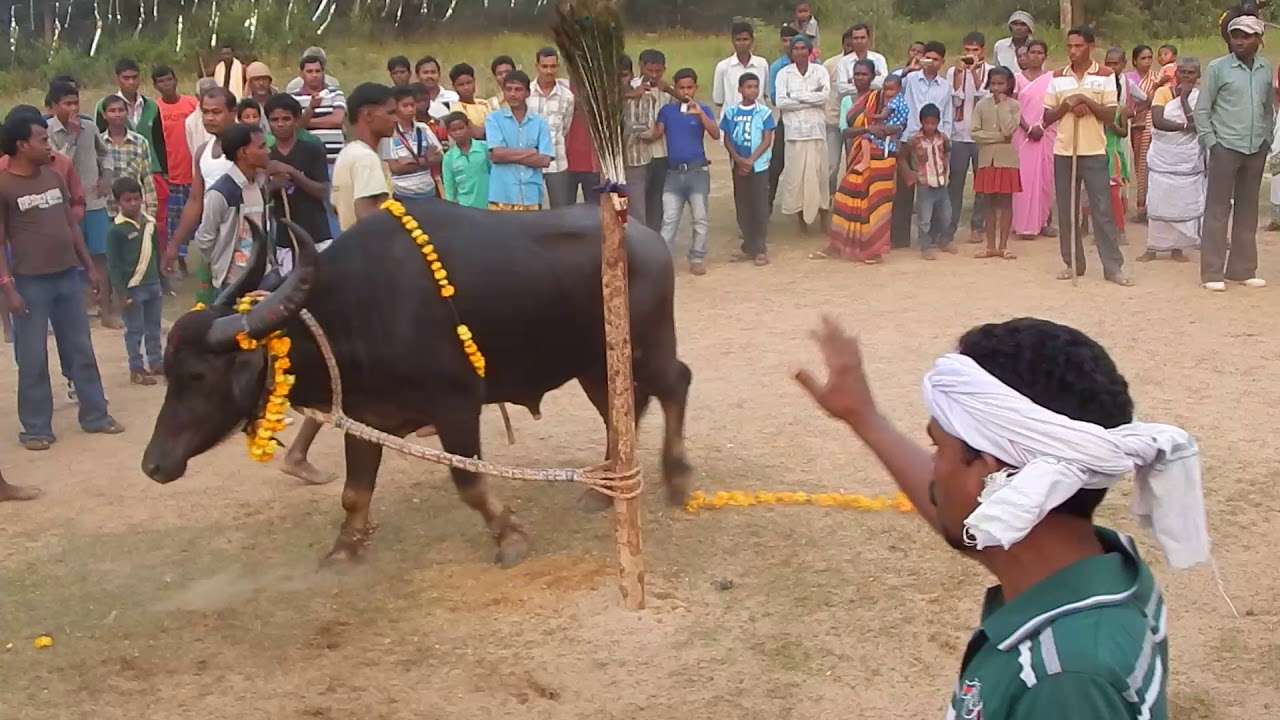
(512, 551)
(594, 501)
(677, 492)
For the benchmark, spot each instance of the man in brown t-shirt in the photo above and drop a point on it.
(41, 254)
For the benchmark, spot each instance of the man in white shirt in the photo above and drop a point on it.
(724, 89)
(860, 39)
(1021, 29)
(803, 90)
(968, 80)
(551, 98)
(835, 138)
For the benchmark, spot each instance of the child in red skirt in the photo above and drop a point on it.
(995, 120)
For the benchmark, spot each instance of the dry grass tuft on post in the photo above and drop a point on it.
(589, 34)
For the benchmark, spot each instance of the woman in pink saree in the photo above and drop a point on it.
(1034, 144)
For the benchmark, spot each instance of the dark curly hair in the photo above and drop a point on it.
(1058, 368)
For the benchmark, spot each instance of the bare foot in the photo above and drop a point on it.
(1147, 256)
(112, 322)
(306, 472)
(17, 493)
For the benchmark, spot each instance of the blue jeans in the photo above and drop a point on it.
(694, 188)
(933, 217)
(56, 299)
(143, 305)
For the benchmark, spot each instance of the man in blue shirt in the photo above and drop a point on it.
(519, 148)
(748, 128)
(779, 159)
(683, 124)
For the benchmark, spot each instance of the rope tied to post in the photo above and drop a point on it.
(622, 485)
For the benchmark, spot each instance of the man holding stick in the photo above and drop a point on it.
(1083, 95)
(1032, 424)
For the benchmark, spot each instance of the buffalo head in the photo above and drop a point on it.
(213, 386)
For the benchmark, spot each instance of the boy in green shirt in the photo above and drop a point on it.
(465, 165)
(133, 261)
(1031, 424)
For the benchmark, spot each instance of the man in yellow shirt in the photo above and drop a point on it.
(463, 78)
(360, 181)
(1084, 97)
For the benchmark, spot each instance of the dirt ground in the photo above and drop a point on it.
(202, 599)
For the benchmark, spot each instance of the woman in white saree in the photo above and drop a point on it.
(1178, 177)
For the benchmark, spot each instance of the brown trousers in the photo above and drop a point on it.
(1234, 180)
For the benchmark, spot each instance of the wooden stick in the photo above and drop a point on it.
(622, 411)
(1075, 196)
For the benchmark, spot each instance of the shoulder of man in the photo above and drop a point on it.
(1102, 71)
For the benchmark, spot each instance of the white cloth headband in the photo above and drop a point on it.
(1248, 23)
(1054, 457)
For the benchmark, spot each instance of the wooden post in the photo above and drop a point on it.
(622, 410)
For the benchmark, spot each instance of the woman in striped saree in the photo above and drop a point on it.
(863, 205)
(1147, 77)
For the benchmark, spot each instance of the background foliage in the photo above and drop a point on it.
(48, 37)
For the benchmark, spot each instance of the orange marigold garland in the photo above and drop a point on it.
(262, 438)
(441, 276)
(702, 501)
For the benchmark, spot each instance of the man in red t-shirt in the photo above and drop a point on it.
(175, 108)
(584, 167)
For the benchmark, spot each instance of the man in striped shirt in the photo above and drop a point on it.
(1032, 424)
(324, 109)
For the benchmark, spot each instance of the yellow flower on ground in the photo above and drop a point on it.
(42, 642)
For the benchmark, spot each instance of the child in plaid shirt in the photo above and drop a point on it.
(928, 156)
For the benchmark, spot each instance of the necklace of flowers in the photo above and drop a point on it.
(447, 290)
(262, 433)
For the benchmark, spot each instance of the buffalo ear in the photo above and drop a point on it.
(247, 380)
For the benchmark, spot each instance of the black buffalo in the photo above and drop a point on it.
(528, 285)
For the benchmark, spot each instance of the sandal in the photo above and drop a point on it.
(985, 253)
(1065, 274)
(1008, 255)
(762, 259)
(1121, 280)
(36, 445)
(822, 255)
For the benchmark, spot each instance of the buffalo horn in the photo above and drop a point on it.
(253, 271)
(272, 312)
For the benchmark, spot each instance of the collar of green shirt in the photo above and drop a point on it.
(121, 219)
(1108, 579)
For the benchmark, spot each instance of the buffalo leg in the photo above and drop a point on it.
(296, 462)
(363, 460)
(673, 392)
(459, 430)
(597, 390)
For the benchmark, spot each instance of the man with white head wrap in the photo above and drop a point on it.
(1032, 424)
(1022, 28)
(1235, 120)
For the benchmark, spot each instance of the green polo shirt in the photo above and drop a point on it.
(1236, 107)
(466, 175)
(1089, 643)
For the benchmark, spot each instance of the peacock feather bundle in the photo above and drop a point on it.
(590, 37)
